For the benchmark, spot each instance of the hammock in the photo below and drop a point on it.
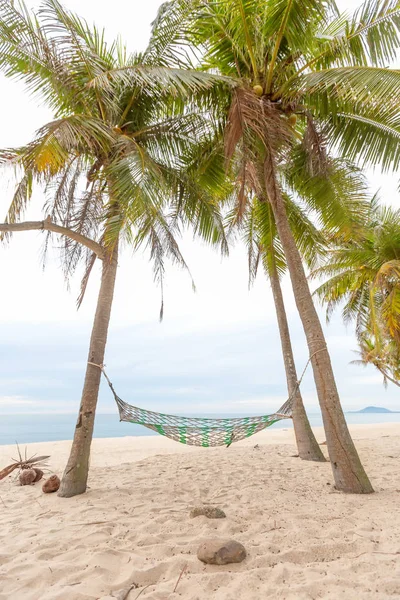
(198, 431)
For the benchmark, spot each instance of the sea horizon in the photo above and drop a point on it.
(50, 427)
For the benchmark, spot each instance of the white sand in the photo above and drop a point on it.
(304, 539)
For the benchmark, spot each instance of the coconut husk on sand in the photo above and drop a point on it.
(51, 485)
(27, 476)
(26, 463)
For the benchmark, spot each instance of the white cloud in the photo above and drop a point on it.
(10, 401)
(376, 379)
(261, 401)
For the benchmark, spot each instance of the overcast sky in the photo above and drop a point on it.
(217, 350)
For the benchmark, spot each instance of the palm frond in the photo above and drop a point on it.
(28, 52)
(370, 37)
(20, 200)
(338, 195)
(85, 279)
(158, 235)
(370, 136)
(249, 117)
(346, 88)
(170, 34)
(292, 22)
(314, 144)
(158, 79)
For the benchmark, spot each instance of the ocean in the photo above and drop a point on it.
(27, 428)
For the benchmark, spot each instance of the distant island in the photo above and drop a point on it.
(374, 409)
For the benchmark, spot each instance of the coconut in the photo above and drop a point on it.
(39, 474)
(258, 90)
(293, 119)
(51, 485)
(27, 476)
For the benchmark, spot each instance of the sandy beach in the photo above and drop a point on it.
(304, 539)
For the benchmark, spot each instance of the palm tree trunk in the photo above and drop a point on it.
(347, 469)
(76, 472)
(307, 445)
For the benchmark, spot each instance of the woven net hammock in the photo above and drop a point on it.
(198, 431)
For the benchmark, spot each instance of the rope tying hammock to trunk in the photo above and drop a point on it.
(199, 431)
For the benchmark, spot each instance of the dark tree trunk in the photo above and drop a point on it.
(307, 446)
(347, 469)
(76, 472)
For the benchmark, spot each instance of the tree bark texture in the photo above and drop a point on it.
(348, 472)
(307, 446)
(48, 225)
(75, 476)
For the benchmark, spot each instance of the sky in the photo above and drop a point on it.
(217, 350)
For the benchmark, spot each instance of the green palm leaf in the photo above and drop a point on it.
(345, 87)
(370, 37)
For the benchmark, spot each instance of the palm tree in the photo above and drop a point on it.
(303, 75)
(364, 277)
(257, 228)
(385, 356)
(112, 164)
(338, 202)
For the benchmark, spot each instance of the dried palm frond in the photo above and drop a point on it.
(85, 279)
(314, 145)
(251, 117)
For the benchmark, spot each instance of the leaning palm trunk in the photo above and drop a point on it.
(307, 445)
(76, 472)
(347, 469)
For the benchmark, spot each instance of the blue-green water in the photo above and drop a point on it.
(25, 429)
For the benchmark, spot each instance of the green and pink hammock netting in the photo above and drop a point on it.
(198, 431)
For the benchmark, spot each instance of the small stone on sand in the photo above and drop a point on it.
(220, 552)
